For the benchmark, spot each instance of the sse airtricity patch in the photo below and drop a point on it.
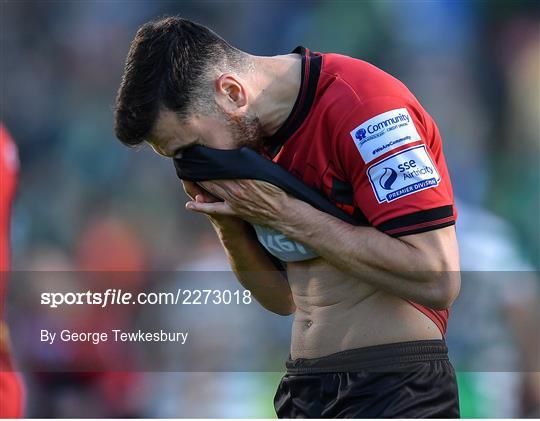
(383, 133)
(404, 173)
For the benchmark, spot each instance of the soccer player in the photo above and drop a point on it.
(370, 302)
(11, 395)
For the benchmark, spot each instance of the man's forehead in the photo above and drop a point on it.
(169, 133)
(168, 123)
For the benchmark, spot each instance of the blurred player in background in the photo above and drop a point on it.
(11, 392)
(495, 334)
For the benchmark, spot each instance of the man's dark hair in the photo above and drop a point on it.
(166, 67)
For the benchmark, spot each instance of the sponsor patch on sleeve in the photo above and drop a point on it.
(404, 173)
(383, 133)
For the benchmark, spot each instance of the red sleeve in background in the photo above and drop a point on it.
(9, 166)
(11, 390)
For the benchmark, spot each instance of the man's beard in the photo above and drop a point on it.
(246, 131)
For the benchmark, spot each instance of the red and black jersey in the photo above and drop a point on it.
(359, 136)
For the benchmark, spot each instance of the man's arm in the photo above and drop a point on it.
(252, 266)
(422, 267)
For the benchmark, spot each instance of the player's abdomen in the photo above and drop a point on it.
(336, 312)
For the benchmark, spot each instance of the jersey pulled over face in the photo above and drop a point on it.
(361, 138)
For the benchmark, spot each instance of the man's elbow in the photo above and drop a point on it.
(281, 307)
(444, 290)
(443, 276)
(283, 310)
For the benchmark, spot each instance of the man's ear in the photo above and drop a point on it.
(230, 93)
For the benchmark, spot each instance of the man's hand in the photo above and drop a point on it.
(193, 190)
(257, 202)
(252, 266)
(200, 198)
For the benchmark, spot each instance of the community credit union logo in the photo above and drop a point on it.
(383, 133)
(388, 178)
(360, 134)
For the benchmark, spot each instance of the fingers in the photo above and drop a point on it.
(216, 189)
(213, 208)
(259, 186)
(193, 190)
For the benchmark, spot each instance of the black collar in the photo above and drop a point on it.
(311, 69)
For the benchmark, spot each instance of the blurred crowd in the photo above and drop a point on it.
(85, 202)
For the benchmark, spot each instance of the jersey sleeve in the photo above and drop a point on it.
(391, 153)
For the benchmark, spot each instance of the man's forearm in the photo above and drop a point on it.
(423, 268)
(254, 269)
(374, 257)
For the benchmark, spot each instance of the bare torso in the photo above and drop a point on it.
(336, 312)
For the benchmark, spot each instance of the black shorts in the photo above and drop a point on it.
(400, 380)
